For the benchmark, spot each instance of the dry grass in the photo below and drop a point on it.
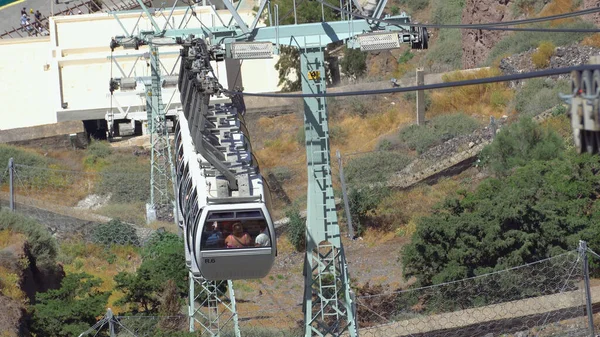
(558, 7)
(592, 41)
(92, 259)
(284, 245)
(134, 213)
(282, 149)
(10, 277)
(560, 124)
(482, 100)
(400, 210)
(10, 285)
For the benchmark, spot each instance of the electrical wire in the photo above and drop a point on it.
(503, 78)
(467, 26)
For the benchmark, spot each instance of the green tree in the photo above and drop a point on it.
(539, 211)
(70, 310)
(354, 62)
(297, 229)
(363, 204)
(163, 259)
(289, 59)
(519, 143)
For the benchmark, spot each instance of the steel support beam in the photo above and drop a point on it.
(327, 296)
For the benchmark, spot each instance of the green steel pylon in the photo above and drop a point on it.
(328, 307)
(161, 171)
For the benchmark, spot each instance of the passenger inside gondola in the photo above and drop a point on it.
(263, 239)
(238, 238)
(214, 236)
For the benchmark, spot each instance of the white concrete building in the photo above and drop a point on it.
(65, 76)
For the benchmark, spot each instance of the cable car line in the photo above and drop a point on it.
(485, 26)
(486, 80)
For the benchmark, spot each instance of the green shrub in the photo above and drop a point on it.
(541, 58)
(115, 232)
(559, 110)
(296, 230)
(42, 244)
(406, 56)
(363, 202)
(34, 170)
(374, 167)
(436, 131)
(539, 95)
(282, 173)
(353, 64)
(97, 153)
(163, 259)
(20, 157)
(520, 143)
(524, 41)
(126, 180)
(446, 53)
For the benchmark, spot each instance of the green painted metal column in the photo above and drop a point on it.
(327, 296)
(161, 171)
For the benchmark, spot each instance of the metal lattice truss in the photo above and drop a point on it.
(162, 169)
(327, 296)
(330, 312)
(211, 309)
(132, 73)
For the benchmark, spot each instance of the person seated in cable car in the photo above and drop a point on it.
(214, 237)
(263, 239)
(238, 238)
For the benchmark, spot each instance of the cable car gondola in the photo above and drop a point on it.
(229, 234)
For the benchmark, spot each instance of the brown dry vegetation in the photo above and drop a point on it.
(481, 100)
(556, 7)
(10, 274)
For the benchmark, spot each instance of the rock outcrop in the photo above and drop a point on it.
(21, 280)
(566, 56)
(477, 44)
(595, 18)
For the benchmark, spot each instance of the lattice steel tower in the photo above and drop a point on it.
(161, 171)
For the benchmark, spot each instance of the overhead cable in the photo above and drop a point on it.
(503, 78)
(468, 26)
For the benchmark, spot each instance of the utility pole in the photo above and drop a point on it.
(420, 97)
(345, 196)
(11, 177)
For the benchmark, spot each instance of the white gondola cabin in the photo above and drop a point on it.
(227, 237)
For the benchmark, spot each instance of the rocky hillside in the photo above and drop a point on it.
(477, 44)
(20, 280)
(567, 56)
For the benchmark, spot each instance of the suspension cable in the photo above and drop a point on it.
(486, 80)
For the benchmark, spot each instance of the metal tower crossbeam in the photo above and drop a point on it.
(210, 308)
